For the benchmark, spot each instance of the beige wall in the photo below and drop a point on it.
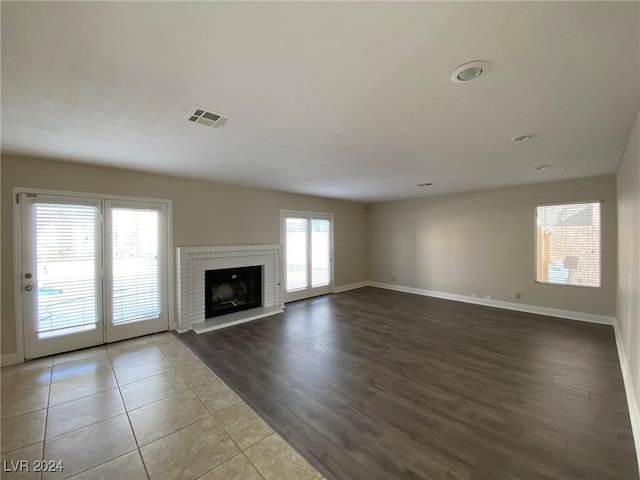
(483, 242)
(203, 214)
(629, 253)
(480, 242)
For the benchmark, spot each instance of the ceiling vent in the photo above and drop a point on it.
(205, 117)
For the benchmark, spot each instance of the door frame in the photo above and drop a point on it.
(17, 252)
(283, 245)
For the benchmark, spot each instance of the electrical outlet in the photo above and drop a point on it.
(518, 296)
(393, 279)
(486, 296)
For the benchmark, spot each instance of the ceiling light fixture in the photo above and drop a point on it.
(428, 184)
(521, 138)
(542, 168)
(469, 71)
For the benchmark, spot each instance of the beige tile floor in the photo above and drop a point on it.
(146, 408)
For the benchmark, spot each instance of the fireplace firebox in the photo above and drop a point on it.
(231, 290)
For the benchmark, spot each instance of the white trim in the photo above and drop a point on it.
(64, 193)
(229, 320)
(632, 401)
(170, 280)
(490, 302)
(350, 286)
(7, 359)
(17, 274)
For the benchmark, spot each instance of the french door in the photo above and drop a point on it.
(92, 271)
(308, 255)
(136, 269)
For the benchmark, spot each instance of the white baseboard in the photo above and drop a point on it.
(8, 359)
(632, 400)
(350, 286)
(490, 302)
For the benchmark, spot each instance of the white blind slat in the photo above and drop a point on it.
(296, 253)
(568, 240)
(66, 268)
(135, 265)
(320, 252)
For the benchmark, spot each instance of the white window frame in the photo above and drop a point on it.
(17, 251)
(535, 243)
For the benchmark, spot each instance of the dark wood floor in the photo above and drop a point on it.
(375, 384)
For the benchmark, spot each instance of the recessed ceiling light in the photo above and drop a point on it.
(469, 71)
(428, 184)
(542, 168)
(521, 138)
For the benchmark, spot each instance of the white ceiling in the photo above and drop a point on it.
(344, 100)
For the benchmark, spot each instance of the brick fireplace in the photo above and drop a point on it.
(193, 263)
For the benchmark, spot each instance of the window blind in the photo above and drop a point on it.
(568, 240)
(66, 262)
(320, 252)
(296, 253)
(135, 264)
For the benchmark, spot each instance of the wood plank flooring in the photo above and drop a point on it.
(375, 384)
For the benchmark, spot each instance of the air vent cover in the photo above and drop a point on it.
(205, 117)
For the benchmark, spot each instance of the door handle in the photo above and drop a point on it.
(28, 288)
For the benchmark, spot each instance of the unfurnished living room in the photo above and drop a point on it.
(320, 240)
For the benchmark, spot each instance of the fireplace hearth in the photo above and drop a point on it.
(232, 290)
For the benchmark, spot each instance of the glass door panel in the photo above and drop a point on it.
(308, 256)
(296, 255)
(320, 252)
(61, 278)
(135, 269)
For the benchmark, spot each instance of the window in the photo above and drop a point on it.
(568, 244)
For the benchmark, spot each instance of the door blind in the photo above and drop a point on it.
(320, 252)
(568, 244)
(66, 289)
(135, 265)
(296, 253)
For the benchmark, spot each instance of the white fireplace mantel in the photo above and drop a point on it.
(192, 262)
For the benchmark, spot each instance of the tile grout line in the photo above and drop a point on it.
(46, 417)
(241, 452)
(124, 405)
(243, 401)
(191, 389)
(111, 369)
(249, 460)
(107, 461)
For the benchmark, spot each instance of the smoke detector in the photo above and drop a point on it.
(206, 117)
